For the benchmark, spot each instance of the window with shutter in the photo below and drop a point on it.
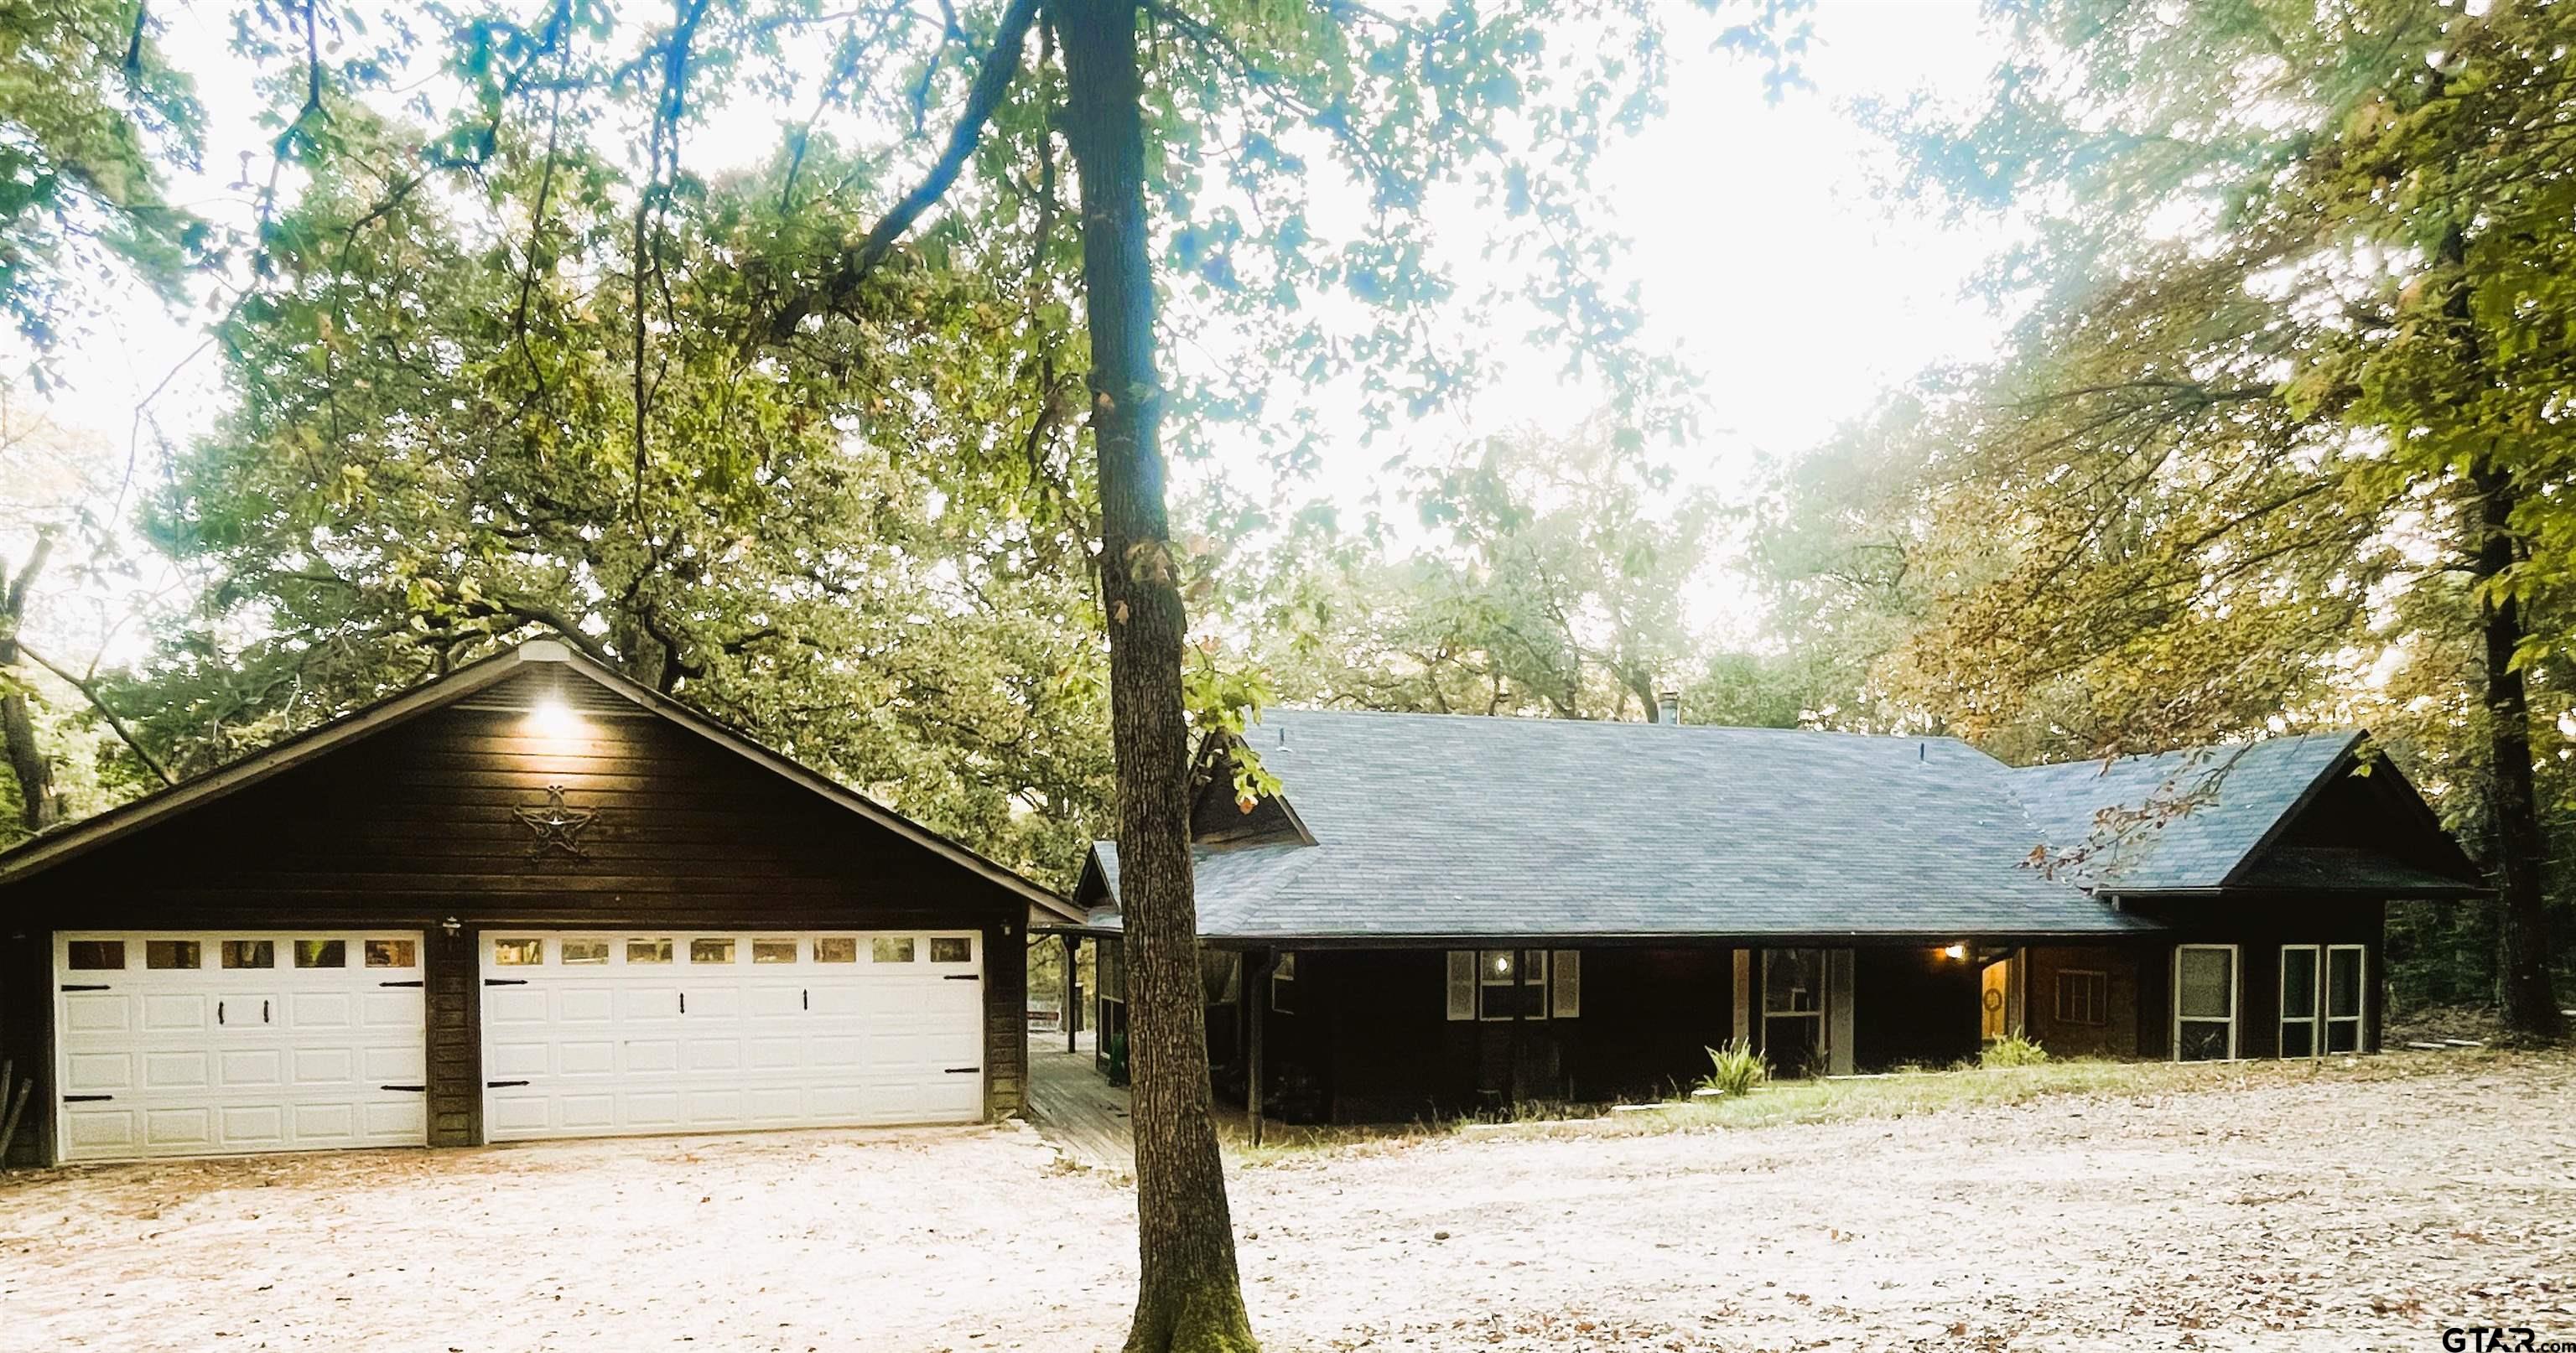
(1567, 969)
(1462, 984)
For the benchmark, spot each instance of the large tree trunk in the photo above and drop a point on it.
(2522, 958)
(28, 763)
(1188, 1294)
(2530, 1008)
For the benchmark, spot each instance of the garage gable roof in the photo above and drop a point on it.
(44, 852)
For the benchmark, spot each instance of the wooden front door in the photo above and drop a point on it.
(1996, 999)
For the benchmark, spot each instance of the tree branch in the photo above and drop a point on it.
(89, 692)
(992, 80)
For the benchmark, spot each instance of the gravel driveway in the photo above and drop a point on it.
(2333, 1214)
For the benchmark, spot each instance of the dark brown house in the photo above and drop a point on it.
(1440, 913)
(531, 899)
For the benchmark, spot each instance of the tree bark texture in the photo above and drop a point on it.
(1189, 1296)
(2530, 1007)
(33, 770)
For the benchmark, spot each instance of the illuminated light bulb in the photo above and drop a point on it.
(1955, 951)
(553, 718)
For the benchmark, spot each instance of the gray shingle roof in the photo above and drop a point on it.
(2176, 821)
(1459, 827)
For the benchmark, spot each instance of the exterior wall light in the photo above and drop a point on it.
(552, 718)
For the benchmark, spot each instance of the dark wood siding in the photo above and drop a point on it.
(1649, 1018)
(416, 824)
(1391, 1057)
(2259, 929)
(2126, 970)
(26, 1036)
(1912, 1006)
(451, 973)
(1006, 1019)
(1372, 1031)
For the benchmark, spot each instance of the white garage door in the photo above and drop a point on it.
(590, 1034)
(218, 1042)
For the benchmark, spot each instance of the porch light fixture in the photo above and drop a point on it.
(552, 718)
(1503, 964)
(1955, 951)
(449, 927)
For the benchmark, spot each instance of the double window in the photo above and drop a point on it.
(2321, 998)
(2324, 1000)
(2083, 997)
(1510, 984)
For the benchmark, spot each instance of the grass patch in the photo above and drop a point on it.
(1897, 1095)
(1920, 1092)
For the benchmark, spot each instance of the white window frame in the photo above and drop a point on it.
(2315, 956)
(1283, 973)
(1557, 974)
(2235, 998)
(1521, 977)
(1821, 1015)
(2321, 1021)
(2359, 1019)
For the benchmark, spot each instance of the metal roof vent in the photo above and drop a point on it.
(1668, 707)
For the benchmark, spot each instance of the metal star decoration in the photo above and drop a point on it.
(558, 826)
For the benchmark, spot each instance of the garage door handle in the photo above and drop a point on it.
(501, 1085)
(962, 977)
(86, 1099)
(964, 1070)
(684, 1002)
(263, 1012)
(219, 1011)
(397, 984)
(85, 986)
(505, 981)
(415, 1089)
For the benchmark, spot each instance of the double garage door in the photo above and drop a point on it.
(589, 1034)
(199, 1044)
(214, 1043)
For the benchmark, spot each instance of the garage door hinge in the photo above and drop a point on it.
(85, 986)
(397, 984)
(415, 1089)
(501, 1085)
(85, 1099)
(963, 977)
(964, 1070)
(505, 981)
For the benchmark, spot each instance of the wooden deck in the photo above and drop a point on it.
(1076, 1108)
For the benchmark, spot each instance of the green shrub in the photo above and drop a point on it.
(2013, 1049)
(1735, 1069)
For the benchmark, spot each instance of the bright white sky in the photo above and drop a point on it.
(1775, 271)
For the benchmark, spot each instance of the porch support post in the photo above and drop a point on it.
(1256, 1000)
(1072, 988)
(1744, 996)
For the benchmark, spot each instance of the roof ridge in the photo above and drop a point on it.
(1552, 721)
